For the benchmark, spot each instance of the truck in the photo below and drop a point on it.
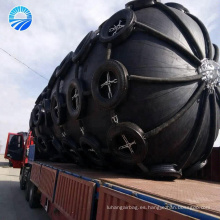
(67, 191)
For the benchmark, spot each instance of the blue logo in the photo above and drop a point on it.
(20, 18)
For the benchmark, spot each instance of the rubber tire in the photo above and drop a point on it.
(197, 166)
(64, 66)
(44, 93)
(57, 145)
(48, 120)
(89, 141)
(121, 74)
(10, 163)
(52, 79)
(38, 100)
(21, 179)
(137, 5)
(58, 99)
(131, 130)
(39, 120)
(177, 6)
(27, 187)
(84, 47)
(125, 14)
(70, 146)
(165, 171)
(45, 148)
(75, 112)
(34, 197)
(31, 123)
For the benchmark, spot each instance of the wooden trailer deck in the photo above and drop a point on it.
(201, 196)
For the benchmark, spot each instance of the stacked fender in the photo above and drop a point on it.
(141, 94)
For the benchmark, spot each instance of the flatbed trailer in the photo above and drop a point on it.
(68, 191)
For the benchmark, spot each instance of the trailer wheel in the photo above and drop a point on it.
(10, 163)
(22, 179)
(34, 196)
(27, 187)
(118, 27)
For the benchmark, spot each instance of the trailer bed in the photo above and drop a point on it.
(202, 196)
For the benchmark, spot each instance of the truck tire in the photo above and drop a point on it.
(22, 179)
(34, 196)
(10, 163)
(27, 187)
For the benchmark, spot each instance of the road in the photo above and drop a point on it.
(13, 205)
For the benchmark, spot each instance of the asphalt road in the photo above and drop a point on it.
(13, 205)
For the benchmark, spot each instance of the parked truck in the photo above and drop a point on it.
(68, 191)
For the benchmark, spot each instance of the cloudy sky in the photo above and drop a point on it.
(57, 28)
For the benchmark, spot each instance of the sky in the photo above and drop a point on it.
(58, 27)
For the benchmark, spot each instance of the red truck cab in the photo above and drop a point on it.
(17, 147)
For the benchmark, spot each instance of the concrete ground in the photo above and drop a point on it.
(13, 205)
